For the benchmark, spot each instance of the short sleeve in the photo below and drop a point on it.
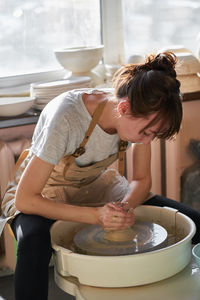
(51, 135)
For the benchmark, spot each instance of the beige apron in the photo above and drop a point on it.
(92, 185)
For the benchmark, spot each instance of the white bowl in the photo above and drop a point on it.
(14, 106)
(175, 49)
(79, 59)
(136, 59)
(187, 64)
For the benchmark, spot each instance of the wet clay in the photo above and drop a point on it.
(141, 237)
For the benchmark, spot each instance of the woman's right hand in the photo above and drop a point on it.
(114, 217)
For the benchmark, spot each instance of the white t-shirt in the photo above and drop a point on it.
(62, 126)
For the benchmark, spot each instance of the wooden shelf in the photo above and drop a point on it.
(191, 96)
(30, 117)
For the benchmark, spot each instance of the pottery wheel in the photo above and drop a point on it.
(141, 237)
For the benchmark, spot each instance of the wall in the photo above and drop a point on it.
(177, 156)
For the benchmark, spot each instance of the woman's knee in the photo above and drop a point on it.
(32, 233)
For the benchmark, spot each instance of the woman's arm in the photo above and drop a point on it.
(141, 181)
(29, 200)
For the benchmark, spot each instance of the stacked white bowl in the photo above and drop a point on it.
(110, 71)
(187, 68)
(14, 106)
(46, 91)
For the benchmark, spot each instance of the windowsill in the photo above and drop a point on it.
(25, 79)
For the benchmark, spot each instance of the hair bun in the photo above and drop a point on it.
(165, 61)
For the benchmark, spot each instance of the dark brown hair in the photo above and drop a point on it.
(152, 87)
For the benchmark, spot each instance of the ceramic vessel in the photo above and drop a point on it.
(127, 270)
(13, 106)
(80, 59)
(187, 64)
(136, 59)
(175, 49)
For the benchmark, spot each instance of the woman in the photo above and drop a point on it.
(65, 176)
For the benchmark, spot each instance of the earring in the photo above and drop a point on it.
(123, 107)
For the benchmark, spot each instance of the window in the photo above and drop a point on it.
(150, 25)
(31, 29)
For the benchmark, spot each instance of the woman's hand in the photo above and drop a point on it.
(115, 216)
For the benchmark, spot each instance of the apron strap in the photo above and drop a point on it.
(81, 149)
(95, 118)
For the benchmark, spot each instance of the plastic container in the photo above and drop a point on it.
(196, 254)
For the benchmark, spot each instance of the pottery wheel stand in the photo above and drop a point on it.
(141, 237)
(183, 286)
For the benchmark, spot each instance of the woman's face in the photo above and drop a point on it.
(131, 129)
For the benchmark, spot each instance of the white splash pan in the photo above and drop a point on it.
(127, 270)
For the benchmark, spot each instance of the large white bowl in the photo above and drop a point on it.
(175, 49)
(126, 270)
(79, 59)
(14, 106)
(187, 64)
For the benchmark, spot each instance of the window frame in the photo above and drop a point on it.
(111, 38)
(112, 31)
